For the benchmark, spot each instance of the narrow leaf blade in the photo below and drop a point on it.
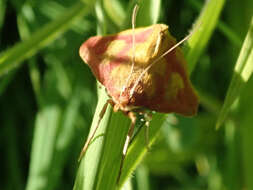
(23, 50)
(242, 71)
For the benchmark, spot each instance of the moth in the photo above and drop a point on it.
(141, 69)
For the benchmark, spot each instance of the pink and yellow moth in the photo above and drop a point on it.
(141, 69)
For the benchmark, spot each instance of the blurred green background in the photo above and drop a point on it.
(48, 95)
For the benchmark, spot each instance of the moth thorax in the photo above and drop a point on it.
(123, 99)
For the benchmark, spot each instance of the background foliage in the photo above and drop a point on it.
(48, 98)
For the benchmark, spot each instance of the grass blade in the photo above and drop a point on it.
(138, 149)
(153, 7)
(100, 166)
(231, 35)
(242, 71)
(115, 11)
(2, 11)
(142, 177)
(15, 55)
(207, 22)
(246, 129)
(46, 128)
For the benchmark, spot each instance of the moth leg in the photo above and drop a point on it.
(132, 116)
(87, 143)
(148, 118)
(147, 135)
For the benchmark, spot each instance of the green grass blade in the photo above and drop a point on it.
(100, 166)
(15, 166)
(246, 129)
(112, 153)
(90, 162)
(54, 156)
(231, 35)
(65, 137)
(137, 150)
(46, 128)
(15, 55)
(153, 8)
(53, 137)
(2, 12)
(206, 22)
(115, 11)
(128, 185)
(5, 81)
(232, 158)
(142, 177)
(208, 102)
(242, 71)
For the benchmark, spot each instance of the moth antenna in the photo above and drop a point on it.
(136, 7)
(158, 59)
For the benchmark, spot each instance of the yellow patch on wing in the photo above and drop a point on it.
(113, 49)
(120, 75)
(175, 83)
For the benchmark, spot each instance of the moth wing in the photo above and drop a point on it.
(110, 57)
(166, 86)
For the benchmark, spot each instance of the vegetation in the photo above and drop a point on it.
(48, 99)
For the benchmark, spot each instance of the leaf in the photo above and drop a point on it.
(206, 23)
(231, 35)
(115, 11)
(242, 71)
(23, 50)
(46, 127)
(100, 166)
(246, 130)
(2, 12)
(149, 12)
